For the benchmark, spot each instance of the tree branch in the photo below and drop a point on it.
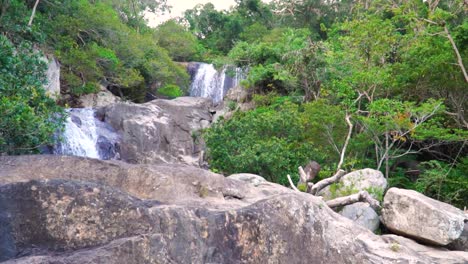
(348, 137)
(292, 184)
(324, 183)
(362, 196)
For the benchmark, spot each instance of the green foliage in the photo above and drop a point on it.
(170, 90)
(274, 139)
(179, 42)
(443, 182)
(104, 42)
(29, 118)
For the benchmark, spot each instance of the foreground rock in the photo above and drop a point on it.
(412, 214)
(462, 242)
(370, 180)
(362, 214)
(161, 131)
(177, 214)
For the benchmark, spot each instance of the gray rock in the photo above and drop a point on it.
(62, 215)
(462, 242)
(369, 180)
(237, 94)
(409, 213)
(161, 131)
(99, 99)
(362, 214)
(248, 177)
(185, 215)
(53, 78)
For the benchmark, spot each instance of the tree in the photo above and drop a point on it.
(393, 124)
(177, 40)
(29, 118)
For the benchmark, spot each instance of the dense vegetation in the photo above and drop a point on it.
(394, 69)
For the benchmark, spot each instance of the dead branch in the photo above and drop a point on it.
(292, 184)
(348, 137)
(324, 183)
(362, 196)
(303, 179)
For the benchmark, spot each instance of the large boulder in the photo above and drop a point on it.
(410, 213)
(161, 131)
(362, 214)
(177, 214)
(370, 180)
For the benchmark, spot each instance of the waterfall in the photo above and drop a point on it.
(208, 82)
(87, 136)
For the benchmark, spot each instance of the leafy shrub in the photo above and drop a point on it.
(170, 90)
(29, 118)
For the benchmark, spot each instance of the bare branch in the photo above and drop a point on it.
(302, 175)
(362, 196)
(292, 184)
(348, 137)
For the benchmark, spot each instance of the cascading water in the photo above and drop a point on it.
(208, 82)
(87, 136)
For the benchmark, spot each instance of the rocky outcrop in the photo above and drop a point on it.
(100, 99)
(160, 131)
(177, 214)
(414, 215)
(369, 180)
(53, 77)
(362, 214)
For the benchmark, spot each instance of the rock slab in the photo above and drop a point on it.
(414, 215)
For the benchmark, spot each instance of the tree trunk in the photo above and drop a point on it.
(33, 13)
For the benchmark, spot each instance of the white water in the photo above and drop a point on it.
(210, 83)
(87, 136)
